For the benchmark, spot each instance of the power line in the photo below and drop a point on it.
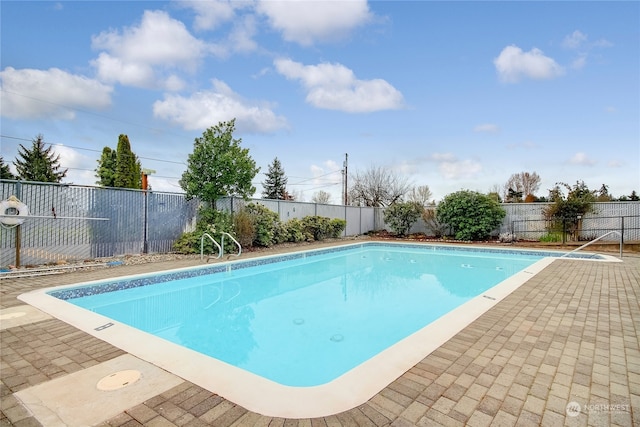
(304, 181)
(93, 170)
(87, 149)
(87, 112)
(314, 177)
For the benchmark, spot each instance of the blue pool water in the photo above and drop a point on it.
(305, 319)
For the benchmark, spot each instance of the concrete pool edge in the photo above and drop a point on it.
(268, 398)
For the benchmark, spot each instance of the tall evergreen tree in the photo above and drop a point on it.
(120, 167)
(39, 163)
(106, 171)
(5, 173)
(275, 186)
(128, 168)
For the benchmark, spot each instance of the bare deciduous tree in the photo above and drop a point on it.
(523, 183)
(420, 195)
(377, 187)
(321, 197)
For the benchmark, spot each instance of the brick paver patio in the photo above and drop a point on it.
(570, 334)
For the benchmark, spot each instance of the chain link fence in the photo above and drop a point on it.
(527, 222)
(70, 222)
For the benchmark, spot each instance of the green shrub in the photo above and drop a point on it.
(280, 233)
(471, 215)
(295, 231)
(316, 226)
(210, 221)
(336, 227)
(320, 227)
(189, 243)
(264, 222)
(255, 225)
(244, 229)
(401, 216)
(551, 237)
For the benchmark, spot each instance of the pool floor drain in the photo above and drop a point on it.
(336, 338)
(118, 380)
(298, 321)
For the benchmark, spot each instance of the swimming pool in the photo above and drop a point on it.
(343, 321)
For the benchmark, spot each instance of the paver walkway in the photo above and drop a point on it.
(561, 350)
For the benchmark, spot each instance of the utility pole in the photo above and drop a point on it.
(346, 175)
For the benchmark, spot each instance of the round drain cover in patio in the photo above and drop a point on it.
(118, 380)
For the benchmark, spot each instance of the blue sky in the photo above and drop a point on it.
(453, 95)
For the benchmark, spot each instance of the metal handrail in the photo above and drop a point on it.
(234, 241)
(214, 242)
(595, 240)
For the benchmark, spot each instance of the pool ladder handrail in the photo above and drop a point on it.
(595, 240)
(220, 246)
(214, 242)
(224, 233)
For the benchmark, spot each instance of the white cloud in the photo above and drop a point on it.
(602, 43)
(113, 69)
(69, 157)
(460, 169)
(579, 62)
(241, 37)
(211, 13)
(513, 64)
(52, 93)
(527, 145)
(442, 157)
(581, 158)
(452, 168)
(579, 42)
(574, 40)
(136, 55)
(329, 172)
(206, 108)
(335, 87)
(326, 177)
(487, 127)
(306, 22)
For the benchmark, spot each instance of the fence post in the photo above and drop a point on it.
(145, 243)
(344, 234)
(621, 235)
(18, 192)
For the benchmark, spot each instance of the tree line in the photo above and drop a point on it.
(218, 166)
(116, 168)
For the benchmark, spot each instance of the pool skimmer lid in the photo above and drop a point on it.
(118, 380)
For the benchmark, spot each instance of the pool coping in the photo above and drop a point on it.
(267, 397)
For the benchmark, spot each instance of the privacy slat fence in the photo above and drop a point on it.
(72, 222)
